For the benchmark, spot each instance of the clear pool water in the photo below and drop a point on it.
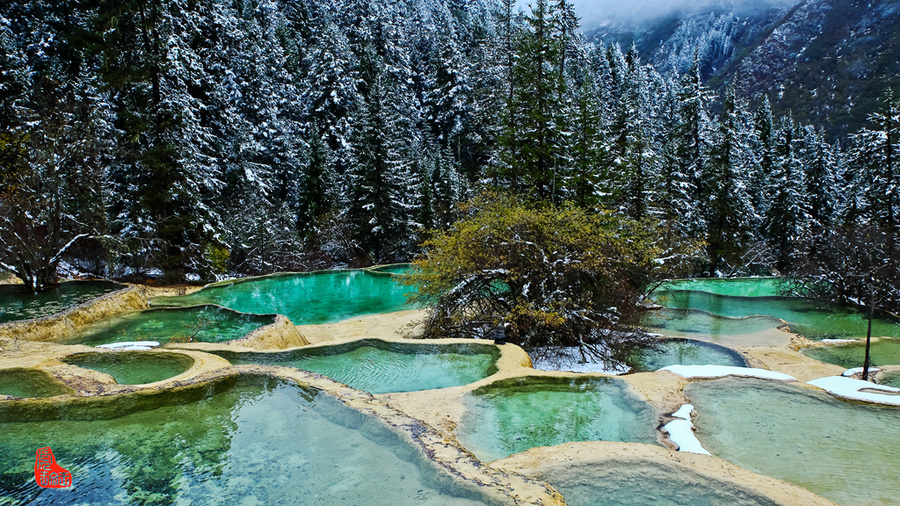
(208, 324)
(627, 483)
(737, 287)
(380, 367)
(305, 298)
(133, 367)
(514, 415)
(882, 352)
(30, 383)
(20, 303)
(815, 321)
(891, 379)
(746, 331)
(258, 441)
(685, 352)
(843, 451)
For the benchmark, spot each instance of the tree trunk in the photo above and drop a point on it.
(865, 373)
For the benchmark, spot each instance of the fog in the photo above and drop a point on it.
(597, 12)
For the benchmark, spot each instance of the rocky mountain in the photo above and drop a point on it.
(825, 61)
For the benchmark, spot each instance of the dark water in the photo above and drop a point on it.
(685, 352)
(19, 303)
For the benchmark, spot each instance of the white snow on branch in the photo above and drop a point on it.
(853, 389)
(719, 371)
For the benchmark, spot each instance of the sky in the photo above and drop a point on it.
(594, 12)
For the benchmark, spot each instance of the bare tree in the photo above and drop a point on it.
(856, 266)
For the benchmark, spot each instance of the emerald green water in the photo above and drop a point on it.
(738, 287)
(306, 298)
(133, 367)
(882, 352)
(626, 483)
(890, 379)
(208, 324)
(815, 321)
(252, 441)
(19, 303)
(392, 269)
(380, 367)
(514, 415)
(845, 452)
(30, 383)
(685, 352)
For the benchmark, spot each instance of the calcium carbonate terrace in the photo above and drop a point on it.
(335, 400)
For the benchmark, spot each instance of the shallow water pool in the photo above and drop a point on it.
(626, 483)
(738, 287)
(380, 367)
(815, 321)
(30, 383)
(207, 324)
(252, 441)
(20, 303)
(685, 352)
(513, 415)
(882, 352)
(305, 298)
(133, 367)
(843, 451)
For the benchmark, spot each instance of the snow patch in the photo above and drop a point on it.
(718, 371)
(684, 412)
(849, 388)
(681, 432)
(837, 341)
(130, 345)
(859, 370)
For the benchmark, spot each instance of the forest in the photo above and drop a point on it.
(181, 140)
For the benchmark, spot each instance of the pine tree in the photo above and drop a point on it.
(729, 213)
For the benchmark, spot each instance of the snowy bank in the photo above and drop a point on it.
(681, 432)
(718, 371)
(849, 388)
(130, 345)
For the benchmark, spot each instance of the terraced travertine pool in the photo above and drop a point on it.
(812, 320)
(305, 298)
(30, 383)
(206, 324)
(514, 415)
(133, 367)
(217, 440)
(253, 440)
(20, 303)
(379, 367)
(843, 451)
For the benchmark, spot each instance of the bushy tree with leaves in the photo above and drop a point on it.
(554, 276)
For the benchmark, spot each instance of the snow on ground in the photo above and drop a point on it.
(681, 432)
(859, 370)
(570, 360)
(718, 371)
(131, 345)
(838, 341)
(849, 388)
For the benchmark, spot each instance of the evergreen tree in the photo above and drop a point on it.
(729, 213)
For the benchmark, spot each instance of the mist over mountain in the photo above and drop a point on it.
(825, 61)
(624, 13)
